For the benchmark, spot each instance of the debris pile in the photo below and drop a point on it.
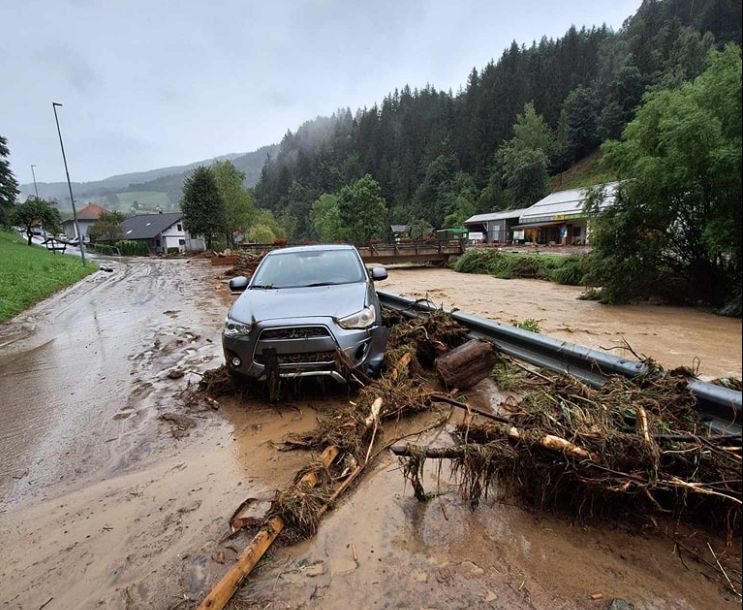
(403, 388)
(633, 446)
(246, 264)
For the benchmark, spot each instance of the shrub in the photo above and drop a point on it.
(571, 271)
(528, 267)
(501, 266)
(529, 324)
(474, 260)
(128, 247)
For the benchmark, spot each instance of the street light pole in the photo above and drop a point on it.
(80, 239)
(33, 173)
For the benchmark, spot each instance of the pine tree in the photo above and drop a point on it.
(202, 206)
(8, 183)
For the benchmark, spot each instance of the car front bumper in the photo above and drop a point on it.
(305, 347)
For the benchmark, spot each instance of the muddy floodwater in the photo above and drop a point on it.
(115, 492)
(674, 336)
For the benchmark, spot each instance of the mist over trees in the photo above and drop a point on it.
(439, 156)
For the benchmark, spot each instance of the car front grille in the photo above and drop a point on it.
(305, 358)
(294, 332)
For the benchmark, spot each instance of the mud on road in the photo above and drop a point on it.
(114, 493)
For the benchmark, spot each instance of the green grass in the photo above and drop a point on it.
(529, 324)
(148, 198)
(586, 172)
(506, 265)
(29, 274)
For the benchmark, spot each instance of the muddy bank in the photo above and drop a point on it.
(441, 554)
(674, 336)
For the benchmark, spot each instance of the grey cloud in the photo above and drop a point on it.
(147, 84)
(78, 71)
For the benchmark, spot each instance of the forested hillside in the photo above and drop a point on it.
(439, 156)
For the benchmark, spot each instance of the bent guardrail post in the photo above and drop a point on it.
(589, 365)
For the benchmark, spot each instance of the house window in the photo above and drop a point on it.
(180, 227)
(181, 242)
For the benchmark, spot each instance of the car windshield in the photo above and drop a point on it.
(307, 268)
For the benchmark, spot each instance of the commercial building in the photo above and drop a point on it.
(560, 217)
(557, 219)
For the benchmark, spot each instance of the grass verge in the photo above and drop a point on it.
(29, 274)
(506, 265)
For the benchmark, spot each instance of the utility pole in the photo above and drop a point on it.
(33, 173)
(69, 185)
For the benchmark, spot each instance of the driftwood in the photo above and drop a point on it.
(467, 364)
(223, 591)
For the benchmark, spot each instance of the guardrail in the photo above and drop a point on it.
(589, 365)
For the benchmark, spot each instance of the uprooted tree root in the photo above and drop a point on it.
(632, 447)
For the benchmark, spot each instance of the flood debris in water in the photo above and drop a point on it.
(632, 448)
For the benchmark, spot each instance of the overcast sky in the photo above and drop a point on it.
(152, 83)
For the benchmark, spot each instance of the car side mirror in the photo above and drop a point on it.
(239, 283)
(378, 274)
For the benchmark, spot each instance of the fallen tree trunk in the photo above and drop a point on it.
(467, 364)
(223, 591)
(226, 587)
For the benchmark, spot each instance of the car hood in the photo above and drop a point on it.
(260, 304)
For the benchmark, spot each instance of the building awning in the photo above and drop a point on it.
(536, 225)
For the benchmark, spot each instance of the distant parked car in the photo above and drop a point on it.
(302, 306)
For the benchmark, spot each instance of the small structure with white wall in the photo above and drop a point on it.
(162, 232)
(86, 218)
(494, 227)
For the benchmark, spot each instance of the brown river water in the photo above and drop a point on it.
(674, 336)
(116, 494)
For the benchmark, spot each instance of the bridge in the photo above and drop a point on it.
(392, 253)
(411, 252)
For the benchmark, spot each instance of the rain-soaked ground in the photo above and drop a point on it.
(115, 494)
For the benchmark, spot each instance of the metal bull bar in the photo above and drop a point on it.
(589, 365)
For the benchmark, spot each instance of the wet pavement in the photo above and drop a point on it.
(115, 493)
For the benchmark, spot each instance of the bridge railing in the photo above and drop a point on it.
(377, 249)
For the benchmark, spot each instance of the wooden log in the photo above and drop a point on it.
(467, 364)
(223, 591)
(550, 442)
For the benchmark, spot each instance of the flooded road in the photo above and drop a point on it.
(115, 492)
(674, 336)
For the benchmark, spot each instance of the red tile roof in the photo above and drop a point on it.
(92, 211)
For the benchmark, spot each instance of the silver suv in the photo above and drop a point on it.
(300, 307)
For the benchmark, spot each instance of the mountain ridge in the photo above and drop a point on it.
(162, 180)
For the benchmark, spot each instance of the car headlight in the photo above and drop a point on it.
(361, 319)
(233, 328)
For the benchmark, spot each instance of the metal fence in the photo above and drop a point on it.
(589, 365)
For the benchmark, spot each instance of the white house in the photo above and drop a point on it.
(86, 218)
(162, 232)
